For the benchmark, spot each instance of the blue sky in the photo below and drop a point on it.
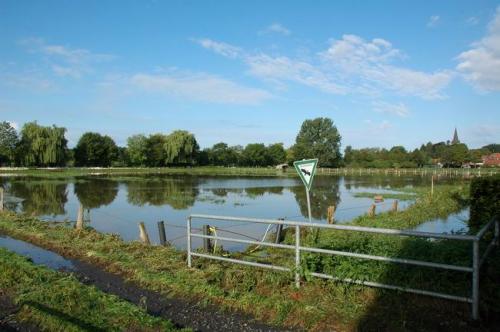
(387, 73)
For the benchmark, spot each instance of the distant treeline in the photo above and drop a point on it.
(46, 146)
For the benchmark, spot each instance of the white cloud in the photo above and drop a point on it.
(369, 63)
(64, 60)
(433, 21)
(202, 87)
(14, 125)
(349, 65)
(481, 63)
(399, 109)
(224, 49)
(276, 28)
(286, 69)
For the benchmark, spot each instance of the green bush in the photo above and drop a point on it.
(485, 200)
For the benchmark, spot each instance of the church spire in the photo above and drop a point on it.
(455, 139)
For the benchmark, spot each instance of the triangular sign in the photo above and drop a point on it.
(306, 170)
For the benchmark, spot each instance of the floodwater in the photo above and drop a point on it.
(117, 204)
(38, 255)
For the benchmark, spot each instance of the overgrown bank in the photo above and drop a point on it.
(271, 297)
(54, 301)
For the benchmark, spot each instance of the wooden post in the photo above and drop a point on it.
(330, 213)
(161, 231)
(279, 230)
(1, 198)
(207, 243)
(143, 234)
(395, 206)
(79, 218)
(432, 185)
(371, 210)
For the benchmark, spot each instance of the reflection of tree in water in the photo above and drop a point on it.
(324, 193)
(179, 193)
(96, 192)
(384, 182)
(259, 191)
(40, 197)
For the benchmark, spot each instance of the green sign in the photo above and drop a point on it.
(306, 170)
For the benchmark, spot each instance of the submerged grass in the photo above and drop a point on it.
(400, 196)
(55, 301)
(270, 296)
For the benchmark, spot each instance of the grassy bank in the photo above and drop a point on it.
(318, 305)
(53, 301)
(126, 171)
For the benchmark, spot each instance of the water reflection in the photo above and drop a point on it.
(326, 193)
(179, 193)
(117, 204)
(39, 197)
(93, 193)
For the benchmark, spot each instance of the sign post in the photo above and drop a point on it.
(306, 170)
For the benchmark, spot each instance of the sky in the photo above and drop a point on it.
(386, 72)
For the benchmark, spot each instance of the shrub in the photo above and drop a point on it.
(485, 200)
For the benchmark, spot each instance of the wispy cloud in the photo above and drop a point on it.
(433, 21)
(481, 63)
(276, 28)
(65, 61)
(399, 109)
(349, 65)
(201, 87)
(219, 47)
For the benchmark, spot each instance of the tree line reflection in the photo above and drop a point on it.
(49, 196)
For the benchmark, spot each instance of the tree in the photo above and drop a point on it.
(455, 155)
(8, 143)
(318, 138)
(256, 155)
(42, 146)
(94, 149)
(137, 148)
(222, 155)
(277, 154)
(156, 154)
(492, 148)
(181, 148)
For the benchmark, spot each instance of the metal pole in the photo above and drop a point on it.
(189, 241)
(475, 280)
(308, 204)
(297, 256)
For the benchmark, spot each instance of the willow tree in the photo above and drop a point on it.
(43, 146)
(181, 148)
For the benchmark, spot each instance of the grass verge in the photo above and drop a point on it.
(55, 301)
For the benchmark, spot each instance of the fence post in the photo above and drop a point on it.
(207, 245)
(189, 241)
(79, 218)
(395, 206)
(143, 234)
(1, 198)
(279, 230)
(297, 256)
(475, 280)
(371, 210)
(161, 231)
(330, 214)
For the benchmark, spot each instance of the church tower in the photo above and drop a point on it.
(455, 139)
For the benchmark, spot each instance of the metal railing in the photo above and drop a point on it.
(477, 261)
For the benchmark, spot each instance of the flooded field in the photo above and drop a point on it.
(117, 204)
